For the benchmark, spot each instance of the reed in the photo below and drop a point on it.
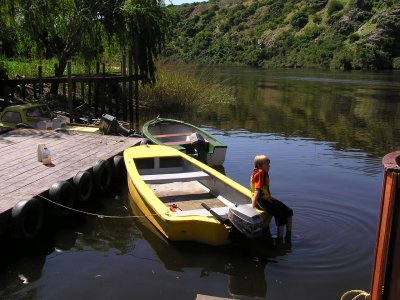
(177, 89)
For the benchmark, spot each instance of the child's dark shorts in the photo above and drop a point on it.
(277, 209)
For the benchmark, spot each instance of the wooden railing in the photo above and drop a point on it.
(114, 94)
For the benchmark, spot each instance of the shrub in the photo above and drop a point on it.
(176, 90)
(354, 37)
(334, 6)
(316, 5)
(299, 20)
(371, 58)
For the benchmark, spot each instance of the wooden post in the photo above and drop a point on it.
(386, 270)
(74, 93)
(55, 74)
(103, 94)
(5, 85)
(123, 69)
(96, 91)
(40, 75)
(83, 91)
(136, 84)
(64, 89)
(90, 93)
(23, 91)
(130, 87)
(70, 106)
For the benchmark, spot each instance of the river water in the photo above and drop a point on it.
(325, 132)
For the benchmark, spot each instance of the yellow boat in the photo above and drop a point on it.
(187, 200)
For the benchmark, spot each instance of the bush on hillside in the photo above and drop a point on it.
(334, 6)
(299, 20)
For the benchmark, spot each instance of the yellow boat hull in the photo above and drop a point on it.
(198, 228)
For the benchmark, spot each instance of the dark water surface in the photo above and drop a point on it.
(326, 134)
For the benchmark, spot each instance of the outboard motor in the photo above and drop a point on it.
(109, 126)
(200, 145)
(246, 220)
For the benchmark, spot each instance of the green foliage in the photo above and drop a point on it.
(354, 37)
(342, 59)
(299, 20)
(396, 63)
(370, 57)
(334, 6)
(316, 5)
(177, 90)
(289, 33)
(87, 29)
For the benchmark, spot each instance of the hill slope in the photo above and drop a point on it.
(345, 34)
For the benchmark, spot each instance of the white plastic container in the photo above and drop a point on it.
(40, 151)
(56, 123)
(46, 157)
(41, 125)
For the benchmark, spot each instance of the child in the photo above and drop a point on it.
(262, 198)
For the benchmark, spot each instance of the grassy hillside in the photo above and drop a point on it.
(341, 34)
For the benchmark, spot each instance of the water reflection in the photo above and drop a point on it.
(243, 261)
(355, 110)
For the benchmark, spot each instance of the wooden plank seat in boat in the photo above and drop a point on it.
(170, 135)
(167, 135)
(222, 211)
(178, 143)
(185, 176)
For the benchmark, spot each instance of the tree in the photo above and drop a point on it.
(141, 28)
(68, 28)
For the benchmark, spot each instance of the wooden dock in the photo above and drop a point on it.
(22, 176)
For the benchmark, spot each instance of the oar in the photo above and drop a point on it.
(219, 218)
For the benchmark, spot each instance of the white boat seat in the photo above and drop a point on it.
(172, 134)
(170, 177)
(222, 211)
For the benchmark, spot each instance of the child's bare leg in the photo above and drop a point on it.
(280, 231)
(288, 236)
(289, 224)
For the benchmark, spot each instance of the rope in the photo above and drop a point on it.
(93, 214)
(359, 294)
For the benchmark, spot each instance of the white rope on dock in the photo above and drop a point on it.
(358, 294)
(93, 214)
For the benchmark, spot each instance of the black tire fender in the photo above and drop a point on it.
(83, 182)
(27, 218)
(119, 168)
(62, 192)
(102, 175)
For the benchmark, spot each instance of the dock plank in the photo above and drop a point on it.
(22, 176)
